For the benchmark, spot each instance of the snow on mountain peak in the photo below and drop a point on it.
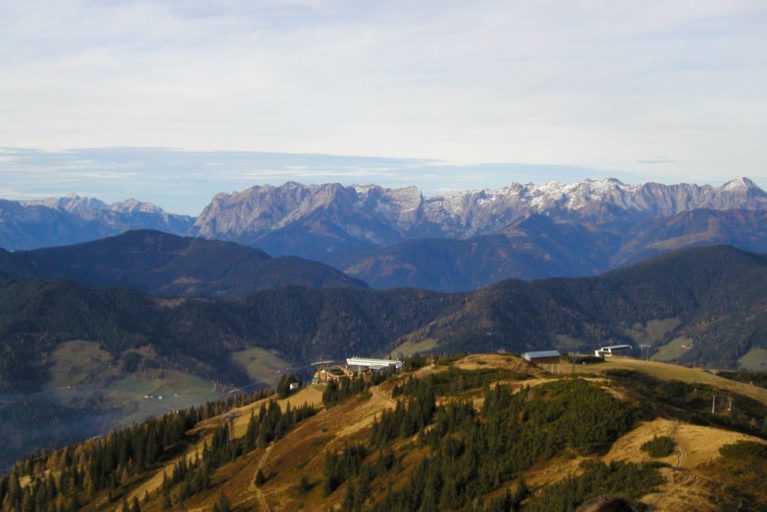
(399, 211)
(135, 206)
(72, 203)
(739, 184)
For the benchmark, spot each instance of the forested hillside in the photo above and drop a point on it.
(538, 246)
(90, 357)
(168, 265)
(716, 296)
(488, 433)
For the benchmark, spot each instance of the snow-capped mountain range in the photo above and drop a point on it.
(392, 237)
(320, 221)
(382, 215)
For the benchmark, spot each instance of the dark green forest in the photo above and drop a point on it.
(717, 293)
(167, 265)
(474, 453)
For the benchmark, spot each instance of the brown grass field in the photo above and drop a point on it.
(667, 371)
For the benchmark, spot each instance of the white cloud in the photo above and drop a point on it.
(582, 83)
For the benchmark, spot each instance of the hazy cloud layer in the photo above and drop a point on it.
(185, 181)
(610, 85)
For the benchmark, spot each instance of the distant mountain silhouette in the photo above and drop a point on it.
(74, 219)
(395, 237)
(170, 265)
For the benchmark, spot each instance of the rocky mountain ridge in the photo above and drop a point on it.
(75, 219)
(354, 217)
(391, 237)
(89, 207)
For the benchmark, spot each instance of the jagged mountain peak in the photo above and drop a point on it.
(372, 214)
(71, 202)
(317, 220)
(742, 181)
(741, 184)
(79, 204)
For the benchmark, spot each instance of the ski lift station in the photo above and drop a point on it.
(329, 371)
(363, 363)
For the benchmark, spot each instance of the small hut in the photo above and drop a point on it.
(545, 359)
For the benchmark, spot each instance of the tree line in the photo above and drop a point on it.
(189, 478)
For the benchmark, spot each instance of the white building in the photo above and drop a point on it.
(364, 363)
(613, 350)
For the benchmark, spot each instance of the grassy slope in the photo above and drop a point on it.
(654, 331)
(670, 372)
(260, 365)
(755, 359)
(673, 350)
(696, 447)
(409, 348)
(75, 362)
(301, 452)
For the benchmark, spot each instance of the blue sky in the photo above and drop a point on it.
(439, 94)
